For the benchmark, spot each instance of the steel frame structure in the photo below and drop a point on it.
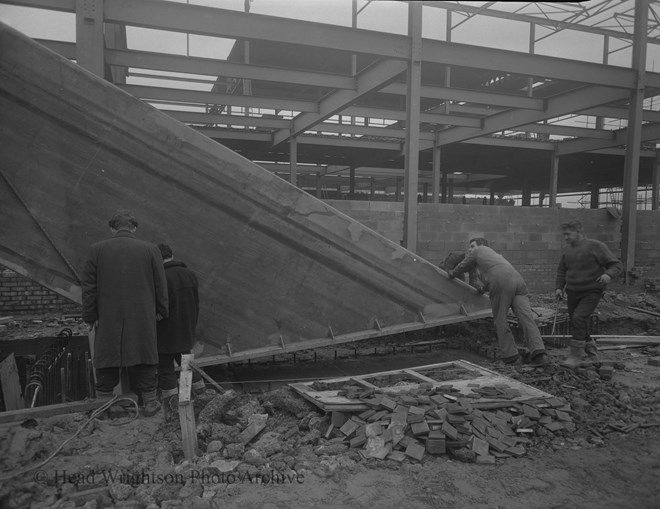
(409, 105)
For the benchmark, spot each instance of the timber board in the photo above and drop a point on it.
(473, 377)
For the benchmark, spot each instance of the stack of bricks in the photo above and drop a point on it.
(439, 420)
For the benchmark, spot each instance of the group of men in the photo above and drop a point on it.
(143, 307)
(585, 268)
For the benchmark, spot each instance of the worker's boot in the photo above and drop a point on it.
(576, 349)
(539, 358)
(104, 396)
(591, 350)
(170, 402)
(151, 403)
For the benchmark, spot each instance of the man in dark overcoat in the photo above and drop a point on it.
(124, 294)
(176, 333)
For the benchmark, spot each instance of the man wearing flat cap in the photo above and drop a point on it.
(124, 294)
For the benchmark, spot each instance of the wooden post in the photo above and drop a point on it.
(186, 410)
(10, 384)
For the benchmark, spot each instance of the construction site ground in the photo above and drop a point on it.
(610, 458)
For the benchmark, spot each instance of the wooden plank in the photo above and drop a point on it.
(645, 311)
(11, 386)
(48, 411)
(186, 409)
(281, 248)
(617, 340)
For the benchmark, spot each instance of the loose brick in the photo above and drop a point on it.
(436, 446)
(419, 428)
(480, 447)
(349, 427)
(397, 456)
(373, 429)
(415, 451)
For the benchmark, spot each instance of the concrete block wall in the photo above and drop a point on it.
(22, 296)
(529, 237)
(648, 249)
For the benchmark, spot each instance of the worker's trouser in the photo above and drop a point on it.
(167, 377)
(508, 291)
(142, 378)
(581, 306)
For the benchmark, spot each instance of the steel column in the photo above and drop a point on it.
(89, 36)
(435, 192)
(654, 181)
(414, 81)
(634, 135)
(554, 179)
(293, 160)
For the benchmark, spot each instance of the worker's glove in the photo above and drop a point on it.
(450, 274)
(604, 279)
(559, 294)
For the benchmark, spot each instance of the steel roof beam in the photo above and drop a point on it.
(650, 132)
(471, 96)
(214, 67)
(557, 106)
(204, 98)
(190, 117)
(565, 130)
(430, 118)
(229, 134)
(226, 23)
(621, 113)
(373, 78)
(546, 22)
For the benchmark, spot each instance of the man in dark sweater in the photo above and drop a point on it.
(585, 269)
(176, 334)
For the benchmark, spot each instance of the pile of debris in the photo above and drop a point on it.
(440, 420)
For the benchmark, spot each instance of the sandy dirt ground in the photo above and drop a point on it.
(610, 460)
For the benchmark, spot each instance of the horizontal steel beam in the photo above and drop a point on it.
(650, 132)
(621, 113)
(189, 117)
(501, 141)
(201, 97)
(51, 5)
(557, 106)
(239, 25)
(429, 118)
(471, 96)
(565, 130)
(229, 134)
(215, 68)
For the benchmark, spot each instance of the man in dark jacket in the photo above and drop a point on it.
(176, 334)
(585, 268)
(124, 293)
